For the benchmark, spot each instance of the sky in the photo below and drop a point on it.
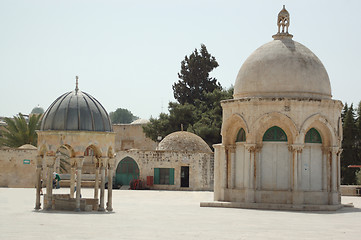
(127, 53)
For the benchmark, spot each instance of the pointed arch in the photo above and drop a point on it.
(313, 136)
(268, 120)
(274, 134)
(241, 135)
(323, 127)
(231, 127)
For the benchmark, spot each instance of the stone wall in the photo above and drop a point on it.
(17, 167)
(131, 136)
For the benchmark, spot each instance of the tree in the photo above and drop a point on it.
(349, 153)
(203, 118)
(19, 131)
(122, 115)
(194, 77)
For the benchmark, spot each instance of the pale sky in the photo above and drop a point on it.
(127, 53)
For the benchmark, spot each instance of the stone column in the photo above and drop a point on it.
(110, 184)
(250, 177)
(72, 177)
(39, 164)
(102, 184)
(296, 149)
(96, 187)
(79, 166)
(224, 168)
(49, 185)
(333, 198)
(231, 154)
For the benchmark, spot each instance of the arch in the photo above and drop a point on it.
(268, 120)
(92, 150)
(127, 170)
(313, 136)
(323, 127)
(42, 150)
(274, 134)
(231, 127)
(241, 135)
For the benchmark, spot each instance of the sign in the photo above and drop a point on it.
(26, 161)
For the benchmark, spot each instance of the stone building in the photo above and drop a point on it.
(281, 132)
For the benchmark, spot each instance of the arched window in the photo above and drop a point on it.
(275, 134)
(313, 136)
(241, 136)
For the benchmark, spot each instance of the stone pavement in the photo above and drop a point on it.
(170, 215)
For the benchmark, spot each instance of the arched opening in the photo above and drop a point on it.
(312, 162)
(241, 136)
(62, 163)
(275, 134)
(313, 136)
(275, 160)
(126, 171)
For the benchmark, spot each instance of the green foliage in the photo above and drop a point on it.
(203, 118)
(19, 131)
(122, 115)
(350, 151)
(194, 77)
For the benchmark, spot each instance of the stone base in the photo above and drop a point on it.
(272, 206)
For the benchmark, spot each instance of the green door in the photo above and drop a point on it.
(127, 170)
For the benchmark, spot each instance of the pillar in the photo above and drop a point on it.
(39, 164)
(231, 154)
(250, 176)
(110, 184)
(72, 177)
(102, 184)
(79, 166)
(96, 187)
(296, 149)
(49, 185)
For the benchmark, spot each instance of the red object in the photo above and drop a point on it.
(150, 180)
(354, 166)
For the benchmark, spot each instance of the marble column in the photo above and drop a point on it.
(39, 165)
(250, 176)
(110, 184)
(49, 185)
(79, 166)
(96, 187)
(72, 177)
(102, 184)
(231, 155)
(296, 149)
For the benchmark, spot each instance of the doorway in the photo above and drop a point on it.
(184, 176)
(127, 170)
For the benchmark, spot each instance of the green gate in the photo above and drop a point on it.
(127, 170)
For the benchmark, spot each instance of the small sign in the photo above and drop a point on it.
(26, 161)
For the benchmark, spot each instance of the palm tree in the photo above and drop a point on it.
(18, 131)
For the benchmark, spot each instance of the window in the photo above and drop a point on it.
(164, 176)
(275, 134)
(241, 136)
(313, 136)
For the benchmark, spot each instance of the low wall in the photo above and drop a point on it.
(351, 190)
(18, 168)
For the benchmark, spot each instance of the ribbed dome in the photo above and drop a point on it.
(282, 68)
(76, 111)
(184, 142)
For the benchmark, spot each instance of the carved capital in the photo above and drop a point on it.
(50, 161)
(39, 161)
(111, 163)
(231, 148)
(251, 147)
(79, 162)
(296, 148)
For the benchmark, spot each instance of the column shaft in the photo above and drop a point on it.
(110, 190)
(102, 187)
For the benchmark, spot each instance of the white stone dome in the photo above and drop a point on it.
(184, 142)
(282, 68)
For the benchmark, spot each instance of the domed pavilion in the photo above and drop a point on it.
(76, 125)
(281, 132)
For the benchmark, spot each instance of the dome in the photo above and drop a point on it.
(184, 142)
(37, 110)
(282, 68)
(76, 111)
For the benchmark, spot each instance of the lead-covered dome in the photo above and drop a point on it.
(184, 142)
(282, 68)
(76, 111)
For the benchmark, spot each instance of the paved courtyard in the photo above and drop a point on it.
(170, 215)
